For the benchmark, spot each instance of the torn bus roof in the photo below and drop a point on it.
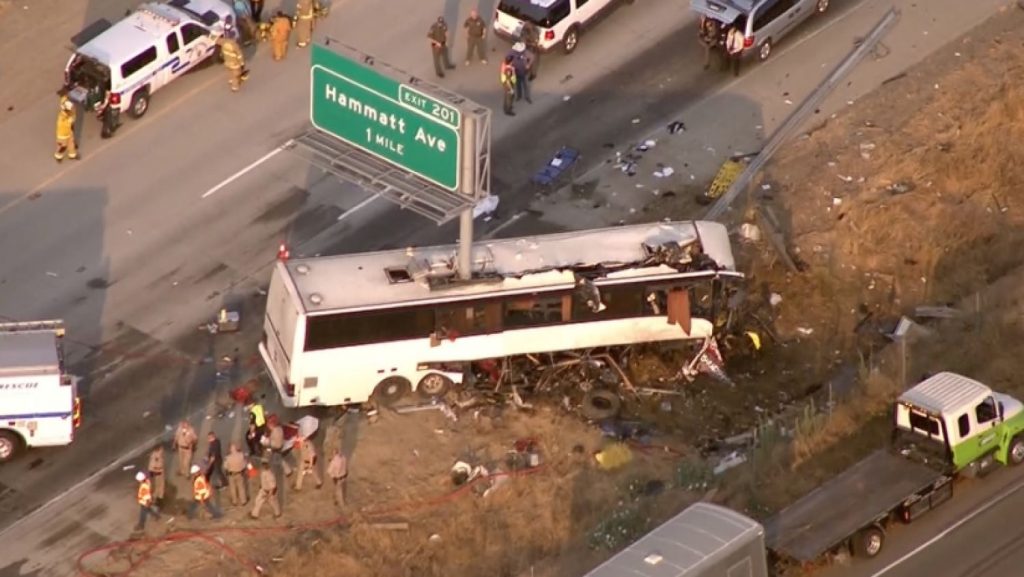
(518, 265)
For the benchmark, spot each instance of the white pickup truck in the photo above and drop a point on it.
(39, 404)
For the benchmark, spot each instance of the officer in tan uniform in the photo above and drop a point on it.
(156, 473)
(337, 470)
(308, 464)
(304, 24)
(66, 131)
(235, 466)
(268, 492)
(277, 446)
(280, 31)
(185, 442)
(234, 62)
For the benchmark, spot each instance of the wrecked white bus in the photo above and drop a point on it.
(342, 329)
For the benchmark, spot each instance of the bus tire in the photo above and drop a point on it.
(10, 446)
(434, 385)
(868, 542)
(600, 404)
(1015, 454)
(391, 390)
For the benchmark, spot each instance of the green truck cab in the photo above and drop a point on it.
(961, 422)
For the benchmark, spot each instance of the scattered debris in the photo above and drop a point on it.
(941, 312)
(613, 456)
(676, 127)
(733, 459)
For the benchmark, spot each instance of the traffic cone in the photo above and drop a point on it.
(283, 252)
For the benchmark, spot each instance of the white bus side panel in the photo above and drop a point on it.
(349, 375)
(283, 325)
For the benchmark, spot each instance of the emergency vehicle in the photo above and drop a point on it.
(39, 404)
(149, 48)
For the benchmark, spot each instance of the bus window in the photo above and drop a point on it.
(472, 319)
(537, 310)
(620, 301)
(347, 330)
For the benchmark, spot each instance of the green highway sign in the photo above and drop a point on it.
(386, 118)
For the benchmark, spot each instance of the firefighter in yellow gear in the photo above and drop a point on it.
(234, 62)
(280, 31)
(304, 13)
(66, 131)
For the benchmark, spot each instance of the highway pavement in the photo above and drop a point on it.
(182, 211)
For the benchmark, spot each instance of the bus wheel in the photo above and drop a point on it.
(10, 444)
(600, 404)
(391, 390)
(434, 385)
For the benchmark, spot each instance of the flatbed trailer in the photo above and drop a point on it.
(854, 508)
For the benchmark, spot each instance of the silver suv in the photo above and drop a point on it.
(762, 22)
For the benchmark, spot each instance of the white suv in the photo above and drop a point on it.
(145, 51)
(558, 22)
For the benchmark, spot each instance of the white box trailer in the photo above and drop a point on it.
(705, 540)
(39, 404)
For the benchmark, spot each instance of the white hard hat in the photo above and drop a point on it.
(140, 476)
(194, 470)
(519, 47)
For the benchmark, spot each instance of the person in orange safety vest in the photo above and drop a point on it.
(201, 495)
(145, 500)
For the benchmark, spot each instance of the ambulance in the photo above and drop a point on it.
(39, 404)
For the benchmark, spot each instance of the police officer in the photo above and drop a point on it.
(280, 31)
(234, 62)
(734, 48)
(235, 466)
(185, 442)
(66, 131)
(520, 64)
(476, 32)
(246, 23)
(508, 85)
(256, 7)
(438, 35)
(530, 36)
(304, 24)
(308, 464)
(268, 492)
(156, 473)
(710, 38)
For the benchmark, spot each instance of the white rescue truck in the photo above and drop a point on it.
(39, 404)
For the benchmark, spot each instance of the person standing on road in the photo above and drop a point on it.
(201, 495)
(185, 442)
(214, 460)
(66, 131)
(476, 33)
(508, 84)
(710, 38)
(530, 36)
(156, 473)
(268, 492)
(438, 35)
(236, 465)
(277, 445)
(256, 7)
(280, 33)
(521, 67)
(734, 47)
(144, 497)
(304, 24)
(234, 62)
(337, 470)
(246, 23)
(252, 440)
(308, 464)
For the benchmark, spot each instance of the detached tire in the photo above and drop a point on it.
(1015, 454)
(10, 446)
(599, 405)
(434, 385)
(868, 543)
(391, 390)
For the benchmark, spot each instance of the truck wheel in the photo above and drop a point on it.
(434, 385)
(140, 103)
(390, 390)
(867, 543)
(599, 405)
(10, 446)
(1015, 455)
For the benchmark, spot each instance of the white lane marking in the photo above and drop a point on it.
(359, 206)
(242, 172)
(973, 514)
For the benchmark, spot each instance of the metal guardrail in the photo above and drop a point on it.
(798, 116)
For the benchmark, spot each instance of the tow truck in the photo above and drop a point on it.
(39, 403)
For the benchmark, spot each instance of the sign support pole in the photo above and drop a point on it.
(469, 188)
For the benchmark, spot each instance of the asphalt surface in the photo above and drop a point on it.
(125, 247)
